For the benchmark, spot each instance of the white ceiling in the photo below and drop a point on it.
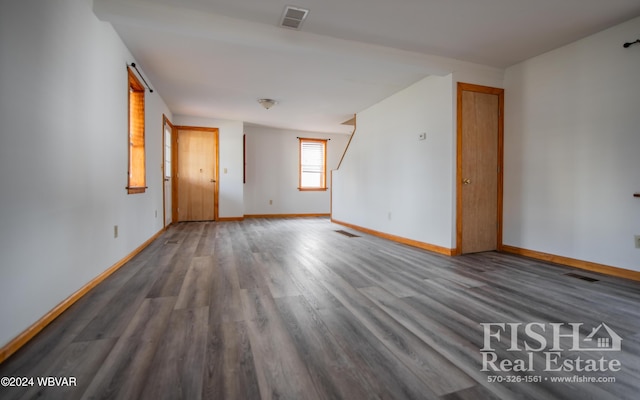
(215, 58)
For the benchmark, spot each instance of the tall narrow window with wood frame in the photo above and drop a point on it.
(137, 173)
(313, 164)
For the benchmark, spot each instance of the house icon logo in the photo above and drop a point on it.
(602, 338)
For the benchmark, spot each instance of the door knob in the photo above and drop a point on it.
(466, 181)
(213, 181)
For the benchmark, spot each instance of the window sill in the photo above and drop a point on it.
(312, 189)
(134, 190)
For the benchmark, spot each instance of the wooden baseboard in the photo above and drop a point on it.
(230, 219)
(285, 215)
(572, 262)
(14, 345)
(399, 239)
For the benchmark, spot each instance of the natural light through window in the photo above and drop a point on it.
(313, 164)
(137, 174)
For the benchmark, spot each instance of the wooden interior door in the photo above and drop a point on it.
(479, 168)
(197, 174)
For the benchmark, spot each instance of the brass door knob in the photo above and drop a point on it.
(466, 181)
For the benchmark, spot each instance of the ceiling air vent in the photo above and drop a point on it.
(293, 17)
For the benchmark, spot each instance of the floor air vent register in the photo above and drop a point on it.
(349, 234)
(582, 277)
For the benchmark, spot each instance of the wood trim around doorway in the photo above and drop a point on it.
(174, 167)
(462, 87)
(174, 188)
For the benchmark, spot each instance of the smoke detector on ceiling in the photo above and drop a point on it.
(293, 17)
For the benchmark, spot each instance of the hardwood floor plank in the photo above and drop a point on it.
(170, 280)
(467, 321)
(213, 384)
(457, 298)
(182, 245)
(280, 371)
(77, 360)
(205, 245)
(80, 361)
(433, 368)
(240, 380)
(397, 282)
(288, 308)
(429, 366)
(125, 369)
(113, 319)
(331, 371)
(382, 371)
(473, 393)
(394, 277)
(345, 264)
(309, 285)
(115, 315)
(225, 305)
(449, 333)
(596, 306)
(458, 276)
(196, 288)
(179, 358)
(36, 357)
(247, 267)
(279, 282)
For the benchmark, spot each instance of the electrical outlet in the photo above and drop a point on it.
(422, 136)
(637, 239)
(115, 231)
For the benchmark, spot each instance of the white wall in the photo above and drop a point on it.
(572, 150)
(63, 157)
(394, 183)
(230, 187)
(272, 172)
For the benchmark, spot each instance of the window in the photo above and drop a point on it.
(313, 164)
(137, 175)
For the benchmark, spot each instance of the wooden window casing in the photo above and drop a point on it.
(136, 173)
(312, 166)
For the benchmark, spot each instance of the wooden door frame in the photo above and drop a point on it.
(174, 149)
(174, 156)
(462, 87)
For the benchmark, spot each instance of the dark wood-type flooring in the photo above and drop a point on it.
(292, 309)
